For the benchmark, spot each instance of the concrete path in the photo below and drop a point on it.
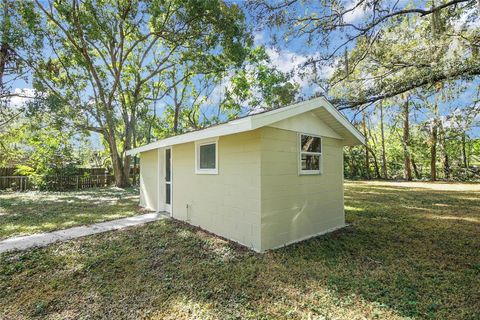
(44, 239)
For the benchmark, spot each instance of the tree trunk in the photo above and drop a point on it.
(433, 147)
(375, 165)
(433, 153)
(406, 141)
(353, 165)
(4, 44)
(443, 143)
(384, 155)
(175, 118)
(418, 176)
(121, 179)
(118, 164)
(446, 165)
(464, 150)
(367, 156)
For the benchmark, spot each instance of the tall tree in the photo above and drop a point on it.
(367, 148)
(18, 24)
(406, 139)
(382, 137)
(106, 56)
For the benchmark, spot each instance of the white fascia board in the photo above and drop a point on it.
(271, 117)
(344, 122)
(232, 127)
(267, 118)
(254, 122)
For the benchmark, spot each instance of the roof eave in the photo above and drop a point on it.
(254, 122)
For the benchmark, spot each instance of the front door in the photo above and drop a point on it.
(168, 180)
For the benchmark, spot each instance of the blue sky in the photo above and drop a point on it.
(289, 55)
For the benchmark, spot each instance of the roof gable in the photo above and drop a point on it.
(307, 122)
(320, 107)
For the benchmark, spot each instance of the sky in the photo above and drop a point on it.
(286, 57)
(293, 53)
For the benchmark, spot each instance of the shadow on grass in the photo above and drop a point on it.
(393, 262)
(33, 212)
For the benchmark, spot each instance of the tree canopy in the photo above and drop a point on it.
(404, 46)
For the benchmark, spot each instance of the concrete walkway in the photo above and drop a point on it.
(44, 239)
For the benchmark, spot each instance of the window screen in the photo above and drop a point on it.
(207, 156)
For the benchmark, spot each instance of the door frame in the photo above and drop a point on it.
(168, 207)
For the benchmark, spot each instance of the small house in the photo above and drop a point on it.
(265, 180)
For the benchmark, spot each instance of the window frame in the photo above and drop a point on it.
(205, 142)
(300, 153)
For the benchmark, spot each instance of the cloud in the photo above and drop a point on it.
(354, 15)
(259, 38)
(467, 21)
(328, 70)
(20, 98)
(285, 60)
(288, 61)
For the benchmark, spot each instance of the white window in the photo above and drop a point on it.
(310, 154)
(206, 157)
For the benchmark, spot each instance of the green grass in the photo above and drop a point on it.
(412, 251)
(32, 212)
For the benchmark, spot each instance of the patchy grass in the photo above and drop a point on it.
(23, 213)
(413, 251)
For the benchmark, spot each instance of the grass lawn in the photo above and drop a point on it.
(413, 251)
(23, 213)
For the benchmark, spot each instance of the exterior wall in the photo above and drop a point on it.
(227, 203)
(295, 207)
(149, 174)
(307, 122)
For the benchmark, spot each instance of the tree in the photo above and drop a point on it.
(404, 46)
(258, 86)
(367, 148)
(382, 136)
(406, 140)
(18, 22)
(105, 57)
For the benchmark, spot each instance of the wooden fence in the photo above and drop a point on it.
(62, 183)
(4, 172)
(10, 171)
(17, 183)
(57, 183)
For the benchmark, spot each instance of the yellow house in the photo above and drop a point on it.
(265, 181)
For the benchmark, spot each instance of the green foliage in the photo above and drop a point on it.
(203, 100)
(397, 46)
(456, 151)
(406, 61)
(259, 85)
(108, 59)
(23, 170)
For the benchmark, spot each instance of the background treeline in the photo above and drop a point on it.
(411, 140)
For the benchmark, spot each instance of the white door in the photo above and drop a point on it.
(168, 180)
